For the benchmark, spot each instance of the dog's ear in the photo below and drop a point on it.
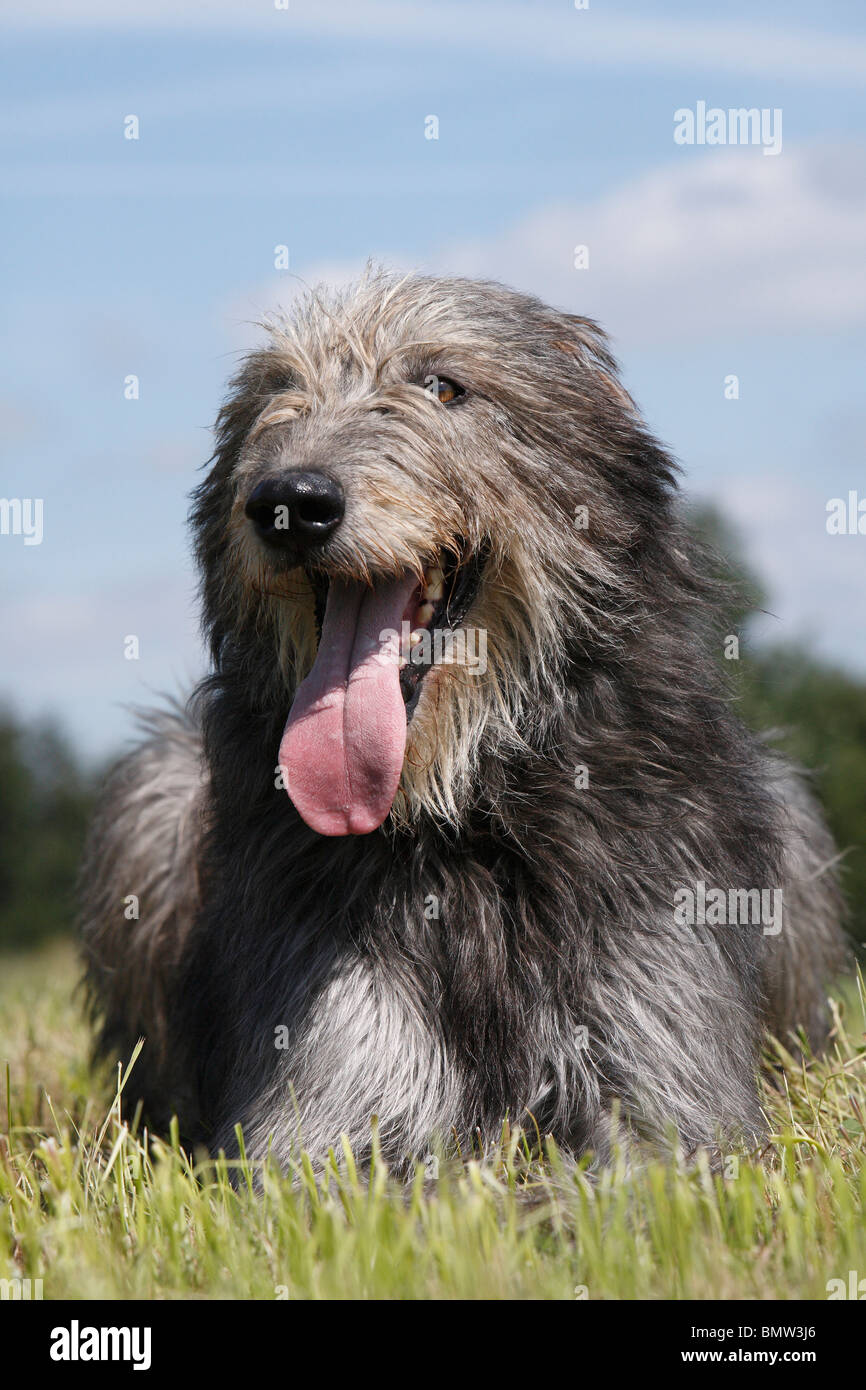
(585, 340)
(645, 466)
(248, 391)
(212, 498)
(247, 395)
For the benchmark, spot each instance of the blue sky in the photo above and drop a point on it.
(305, 127)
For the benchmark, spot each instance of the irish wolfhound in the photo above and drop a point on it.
(461, 826)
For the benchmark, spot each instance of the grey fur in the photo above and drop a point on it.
(555, 902)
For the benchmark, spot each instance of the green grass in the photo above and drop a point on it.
(95, 1211)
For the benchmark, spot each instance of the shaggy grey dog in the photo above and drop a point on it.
(522, 870)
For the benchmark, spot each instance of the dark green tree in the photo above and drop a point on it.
(816, 712)
(45, 800)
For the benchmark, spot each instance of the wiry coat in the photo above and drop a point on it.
(505, 944)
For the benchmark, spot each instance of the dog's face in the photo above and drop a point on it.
(397, 508)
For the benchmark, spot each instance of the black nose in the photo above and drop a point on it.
(296, 510)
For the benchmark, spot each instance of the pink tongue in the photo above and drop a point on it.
(343, 744)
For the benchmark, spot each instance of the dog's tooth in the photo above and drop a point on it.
(424, 614)
(434, 584)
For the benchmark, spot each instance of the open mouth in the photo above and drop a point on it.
(344, 741)
(442, 602)
(438, 607)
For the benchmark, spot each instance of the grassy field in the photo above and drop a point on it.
(95, 1211)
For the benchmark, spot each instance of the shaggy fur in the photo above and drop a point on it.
(505, 944)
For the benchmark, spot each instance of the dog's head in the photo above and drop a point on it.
(422, 502)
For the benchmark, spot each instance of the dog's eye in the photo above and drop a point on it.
(443, 390)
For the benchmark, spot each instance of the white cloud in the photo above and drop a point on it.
(726, 241)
